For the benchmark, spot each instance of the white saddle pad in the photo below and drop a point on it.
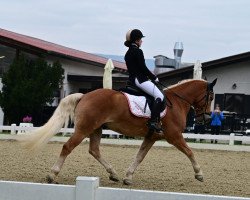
(137, 106)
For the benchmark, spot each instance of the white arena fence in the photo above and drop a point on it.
(230, 139)
(87, 188)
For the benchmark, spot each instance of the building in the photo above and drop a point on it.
(232, 91)
(83, 71)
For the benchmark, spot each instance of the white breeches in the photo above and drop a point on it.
(150, 88)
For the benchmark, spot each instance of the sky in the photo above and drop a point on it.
(209, 30)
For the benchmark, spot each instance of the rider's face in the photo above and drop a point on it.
(139, 42)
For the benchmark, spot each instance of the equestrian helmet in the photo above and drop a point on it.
(133, 35)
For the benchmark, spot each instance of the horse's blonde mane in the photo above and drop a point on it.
(181, 82)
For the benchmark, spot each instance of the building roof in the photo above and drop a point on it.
(35, 44)
(210, 64)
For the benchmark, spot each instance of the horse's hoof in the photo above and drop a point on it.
(127, 182)
(114, 178)
(49, 179)
(199, 178)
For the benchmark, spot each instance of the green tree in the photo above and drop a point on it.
(28, 86)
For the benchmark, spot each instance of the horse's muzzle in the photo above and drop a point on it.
(203, 118)
(207, 117)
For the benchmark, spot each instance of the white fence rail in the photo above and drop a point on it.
(87, 188)
(14, 129)
(230, 139)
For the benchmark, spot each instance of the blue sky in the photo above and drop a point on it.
(208, 29)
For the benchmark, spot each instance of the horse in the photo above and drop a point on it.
(91, 111)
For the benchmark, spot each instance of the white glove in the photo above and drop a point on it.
(157, 80)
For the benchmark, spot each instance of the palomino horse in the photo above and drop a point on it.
(110, 108)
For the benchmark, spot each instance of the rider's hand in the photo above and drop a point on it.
(157, 80)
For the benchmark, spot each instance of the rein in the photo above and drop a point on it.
(161, 84)
(204, 106)
(182, 98)
(206, 96)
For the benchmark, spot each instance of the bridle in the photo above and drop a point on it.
(208, 96)
(203, 108)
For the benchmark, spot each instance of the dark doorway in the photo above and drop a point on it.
(234, 103)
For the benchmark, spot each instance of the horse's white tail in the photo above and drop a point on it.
(63, 113)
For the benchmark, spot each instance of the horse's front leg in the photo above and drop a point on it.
(197, 169)
(144, 148)
(183, 147)
(94, 150)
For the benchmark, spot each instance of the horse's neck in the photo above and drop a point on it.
(189, 90)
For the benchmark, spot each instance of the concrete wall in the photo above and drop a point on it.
(228, 75)
(75, 68)
(238, 73)
(78, 68)
(1, 111)
(88, 188)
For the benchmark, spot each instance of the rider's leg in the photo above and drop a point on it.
(152, 90)
(153, 123)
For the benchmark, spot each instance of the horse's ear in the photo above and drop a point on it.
(211, 85)
(214, 82)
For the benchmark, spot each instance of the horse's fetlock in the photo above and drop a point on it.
(110, 170)
(127, 181)
(55, 170)
(198, 173)
(129, 175)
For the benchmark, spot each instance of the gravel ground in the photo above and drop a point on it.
(163, 169)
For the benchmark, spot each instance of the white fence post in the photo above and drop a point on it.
(244, 139)
(86, 188)
(13, 129)
(231, 139)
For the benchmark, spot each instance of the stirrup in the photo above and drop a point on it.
(155, 126)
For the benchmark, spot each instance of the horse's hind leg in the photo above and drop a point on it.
(94, 150)
(183, 147)
(144, 148)
(73, 141)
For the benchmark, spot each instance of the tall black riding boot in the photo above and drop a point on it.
(153, 123)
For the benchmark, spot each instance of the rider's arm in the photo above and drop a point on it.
(143, 67)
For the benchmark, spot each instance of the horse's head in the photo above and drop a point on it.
(202, 106)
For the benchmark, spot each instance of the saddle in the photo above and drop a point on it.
(132, 89)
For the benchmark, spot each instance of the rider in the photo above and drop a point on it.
(142, 77)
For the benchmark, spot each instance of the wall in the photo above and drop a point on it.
(79, 68)
(87, 188)
(228, 75)
(1, 111)
(237, 73)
